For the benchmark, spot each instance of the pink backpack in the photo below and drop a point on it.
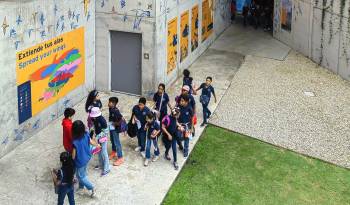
(166, 121)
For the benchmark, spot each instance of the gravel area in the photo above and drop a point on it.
(294, 104)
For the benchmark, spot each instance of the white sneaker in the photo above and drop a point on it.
(143, 154)
(93, 193)
(146, 162)
(155, 158)
(137, 149)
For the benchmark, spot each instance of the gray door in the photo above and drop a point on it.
(126, 49)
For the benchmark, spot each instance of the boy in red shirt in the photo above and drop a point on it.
(67, 129)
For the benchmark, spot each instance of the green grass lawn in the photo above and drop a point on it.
(229, 168)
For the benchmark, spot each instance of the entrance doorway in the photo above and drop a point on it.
(126, 61)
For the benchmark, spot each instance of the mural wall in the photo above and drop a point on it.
(319, 30)
(48, 59)
(205, 20)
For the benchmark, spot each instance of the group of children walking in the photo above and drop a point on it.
(82, 142)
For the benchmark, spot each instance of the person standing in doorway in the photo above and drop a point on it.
(207, 91)
(139, 113)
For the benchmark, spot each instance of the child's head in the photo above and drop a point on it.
(67, 165)
(150, 117)
(185, 89)
(78, 129)
(208, 80)
(184, 99)
(142, 103)
(175, 112)
(161, 88)
(68, 113)
(92, 97)
(112, 102)
(186, 73)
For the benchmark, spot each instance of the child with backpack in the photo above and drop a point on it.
(93, 100)
(161, 100)
(82, 154)
(170, 127)
(207, 91)
(64, 179)
(101, 132)
(185, 120)
(115, 118)
(152, 128)
(139, 113)
(67, 129)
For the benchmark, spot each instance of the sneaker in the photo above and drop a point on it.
(143, 154)
(167, 157)
(118, 162)
(137, 149)
(155, 158)
(93, 193)
(146, 162)
(105, 173)
(203, 124)
(185, 155)
(97, 167)
(176, 166)
(181, 147)
(112, 155)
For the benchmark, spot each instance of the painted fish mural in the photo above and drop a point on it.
(59, 72)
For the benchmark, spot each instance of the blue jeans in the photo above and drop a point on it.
(141, 138)
(186, 146)
(63, 191)
(148, 147)
(206, 112)
(116, 145)
(103, 157)
(170, 144)
(83, 180)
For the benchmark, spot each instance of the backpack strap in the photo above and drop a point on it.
(166, 121)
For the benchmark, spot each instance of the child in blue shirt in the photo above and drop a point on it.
(185, 119)
(139, 113)
(101, 131)
(115, 118)
(161, 100)
(152, 128)
(207, 91)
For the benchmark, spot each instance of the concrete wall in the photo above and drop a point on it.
(167, 10)
(321, 31)
(29, 23)
(127, 16)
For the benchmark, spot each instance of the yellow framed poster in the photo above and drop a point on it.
(184, 28)
(207, 19)
(172, 45)
(48, 71)
(194, 28)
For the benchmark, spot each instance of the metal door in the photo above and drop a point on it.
(126, 50)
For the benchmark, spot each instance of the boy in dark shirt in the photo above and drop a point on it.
(139, 113)
(207, 90)
(114, 118)
(185, 120)
(187, 80)
(161, 100)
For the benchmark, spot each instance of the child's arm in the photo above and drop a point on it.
(94, 143)
(166, 132)
(74, 153)
(214, 94)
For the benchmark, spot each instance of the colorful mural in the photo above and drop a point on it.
(184, 28)
(172, 45)
(286, 15)
(194, 28)
(207, 19)
(48, 71)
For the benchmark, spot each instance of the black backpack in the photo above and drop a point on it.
(132, 128)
